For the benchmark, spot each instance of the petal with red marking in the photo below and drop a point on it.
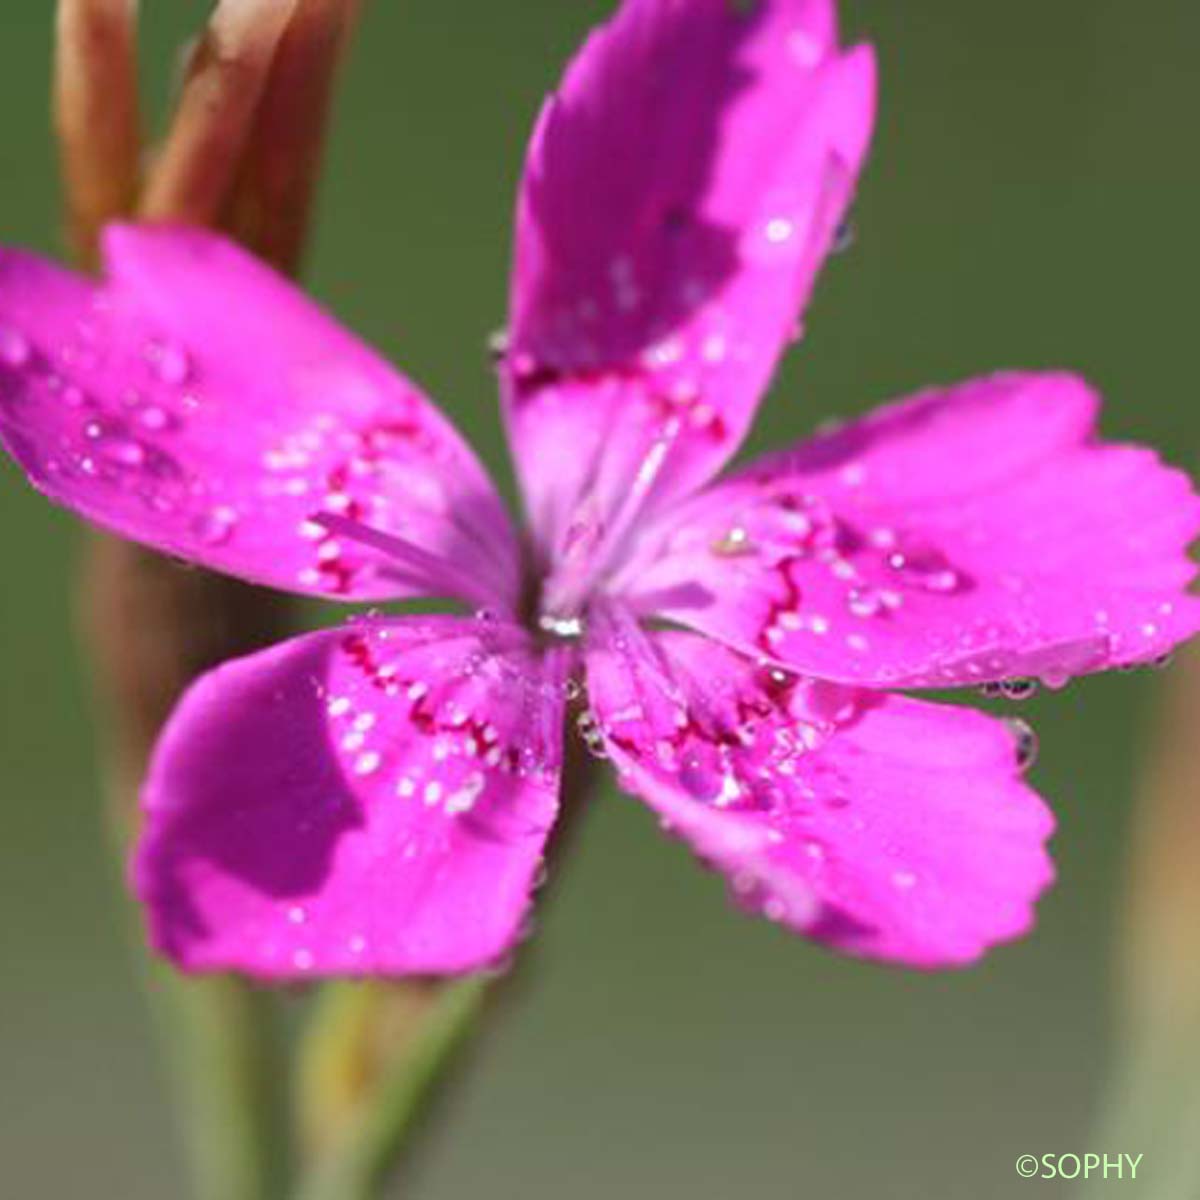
(197, 402)
(367, 801)
(883, 827)
(682, 188)
(973, 534)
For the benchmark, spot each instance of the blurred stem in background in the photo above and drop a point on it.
(364, 1081)
(1153, 1106)
(242, 153)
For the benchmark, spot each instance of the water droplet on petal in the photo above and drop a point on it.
(125, 451)
(154, 418)
(1055, 678)
(591, 733)
(927, 569)
(779, 229)
(367, 762)
(216, 526)
(735, 541)
(170, 362)
(15, 349)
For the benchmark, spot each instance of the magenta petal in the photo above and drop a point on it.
(973, 534)
(198, 402)
(884, 827)
(371, 800)
(682, 188)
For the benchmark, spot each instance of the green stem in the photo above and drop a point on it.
(358, 1164)
(1153, 1103)
(227, 1079)
(224, 1057)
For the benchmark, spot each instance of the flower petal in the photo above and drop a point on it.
(199, 403)
(682, 189)
(978, 533)
(884, 827)
(372, 800)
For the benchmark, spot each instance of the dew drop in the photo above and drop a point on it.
(779, 230)
(845, 236)
(927, 569)
(215, 527)
(463, 799)
(113, 444)
(125, 451)
(498, 344)
(170, 362)
(699, 778)
(15, 350)
(864, 602)
(734, 542)
(590, 732)
(1055, 678)
(1018, 689)
(1026, 742)
(367, 762)
(154, 418)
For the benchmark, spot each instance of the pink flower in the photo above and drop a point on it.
(377, 798)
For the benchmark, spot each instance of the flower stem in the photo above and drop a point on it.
(272, 197)
(96, 115)
(226, 76)
(1153, 1103)
(228, 1082)
(375, 1056)
(355, 1164)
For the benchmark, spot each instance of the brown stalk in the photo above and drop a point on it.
(96, 115)
(226, 76)
(273, 194)
(153, 625)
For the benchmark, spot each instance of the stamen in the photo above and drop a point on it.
(571, 582)
(439, 574)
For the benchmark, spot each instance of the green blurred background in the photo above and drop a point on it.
(1031, 201)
